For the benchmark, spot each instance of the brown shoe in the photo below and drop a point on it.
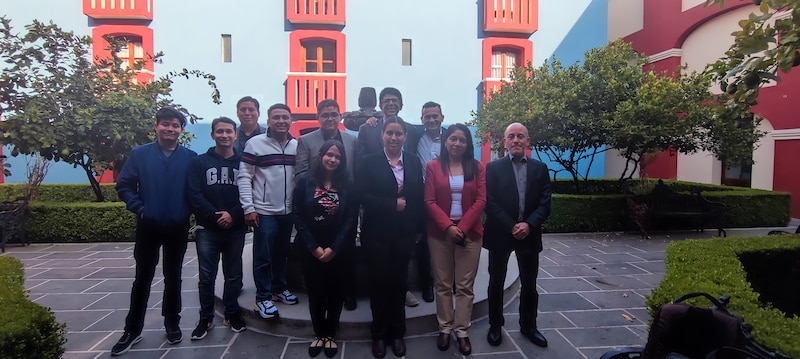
(378, 349)
(443, 341)
(464, 346)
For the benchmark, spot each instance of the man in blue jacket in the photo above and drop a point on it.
(214, 199)
(153, 186)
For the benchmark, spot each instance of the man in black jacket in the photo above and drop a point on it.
(517, 203)
(214, 199)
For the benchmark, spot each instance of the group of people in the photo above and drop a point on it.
(409, 191)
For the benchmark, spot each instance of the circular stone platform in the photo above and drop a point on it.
(295, 321)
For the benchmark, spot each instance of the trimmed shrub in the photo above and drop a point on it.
(586, 213)
(60, 192)
(27, 330)
(713, 266)
(79, 222)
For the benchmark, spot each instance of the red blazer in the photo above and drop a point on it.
(438, 199)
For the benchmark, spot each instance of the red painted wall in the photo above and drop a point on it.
(787, 171)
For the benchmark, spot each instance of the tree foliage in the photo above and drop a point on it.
(765, 46)
(608, 102)
(60, 103)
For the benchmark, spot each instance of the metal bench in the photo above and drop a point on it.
(665, 208)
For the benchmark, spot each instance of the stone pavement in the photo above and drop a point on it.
(592, 292)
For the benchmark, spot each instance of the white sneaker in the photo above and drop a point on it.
(286, 297)
(266, 309)
(411, 300)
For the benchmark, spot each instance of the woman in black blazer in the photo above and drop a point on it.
(391, 192)
(324, 213)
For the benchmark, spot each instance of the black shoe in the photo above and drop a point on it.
(350, 303)
(316, 347)
(495, 336)
(125, 343)
(174, 335)
(427, 293)
(236, 322)
(330, 347)
(378, 348)
(534, 336)
(399, 347)
(202, 328)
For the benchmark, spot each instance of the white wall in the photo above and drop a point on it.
(624, 17)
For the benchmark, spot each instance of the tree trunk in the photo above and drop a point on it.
(98, 192)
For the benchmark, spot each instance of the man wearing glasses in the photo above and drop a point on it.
(308, 145)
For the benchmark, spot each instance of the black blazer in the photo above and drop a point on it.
(378, 195)
(502, 204)
(302, 203)
(369, 140)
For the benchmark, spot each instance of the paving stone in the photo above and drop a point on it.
(600, 318)
(616, 258)
(561, 285)
(616, 269)
(600, 337)
(109, 254)
(557, 346)
(111, 286)
(551, 320)
(563, 301)
(67, 301)
(652, 280)
(79, 355)
(641, 314)
(114, 263)
(561, 260)
(651, 256)
(193, 352)
(615, 299)
(65, 255)
(66, 263)
(113, 273)
(617, 282)
(652, 266)
(83, 341)
(567, 251)
(79, 320)
(577, 270)
(249, 344)
(616, 248)
(65, 273)
(123, 247)
(481, 346)
(24, 255)
(65, 286)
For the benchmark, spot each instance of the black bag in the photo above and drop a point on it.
(680, 330)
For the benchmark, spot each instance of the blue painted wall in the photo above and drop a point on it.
(446, 52)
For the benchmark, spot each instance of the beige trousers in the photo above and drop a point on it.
(452, 263)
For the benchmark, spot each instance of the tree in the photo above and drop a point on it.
(764, 47)
(61, 104)
(573, 113)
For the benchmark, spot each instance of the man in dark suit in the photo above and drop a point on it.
(518, 202)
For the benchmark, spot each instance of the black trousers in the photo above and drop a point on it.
(423, 258)
(387, 259)
(149, 240)
(528, 262)
(324, 284)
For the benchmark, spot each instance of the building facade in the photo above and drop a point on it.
(685, 32)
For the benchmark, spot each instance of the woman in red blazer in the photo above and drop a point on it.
(455, 196)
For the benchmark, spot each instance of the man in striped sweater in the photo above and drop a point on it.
(266, 182)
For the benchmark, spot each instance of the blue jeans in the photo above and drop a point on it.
(210, 244)
(270, 250)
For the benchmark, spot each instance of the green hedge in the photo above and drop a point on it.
(79, 222)
(713, 266)
(65, 213)
(27, 330)
(60, 192)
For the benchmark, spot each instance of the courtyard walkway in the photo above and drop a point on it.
(592, 298)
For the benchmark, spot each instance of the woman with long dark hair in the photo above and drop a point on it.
(455, 196)
(324, 215)
(391, 192)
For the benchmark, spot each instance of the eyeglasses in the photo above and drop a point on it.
(328, 115)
